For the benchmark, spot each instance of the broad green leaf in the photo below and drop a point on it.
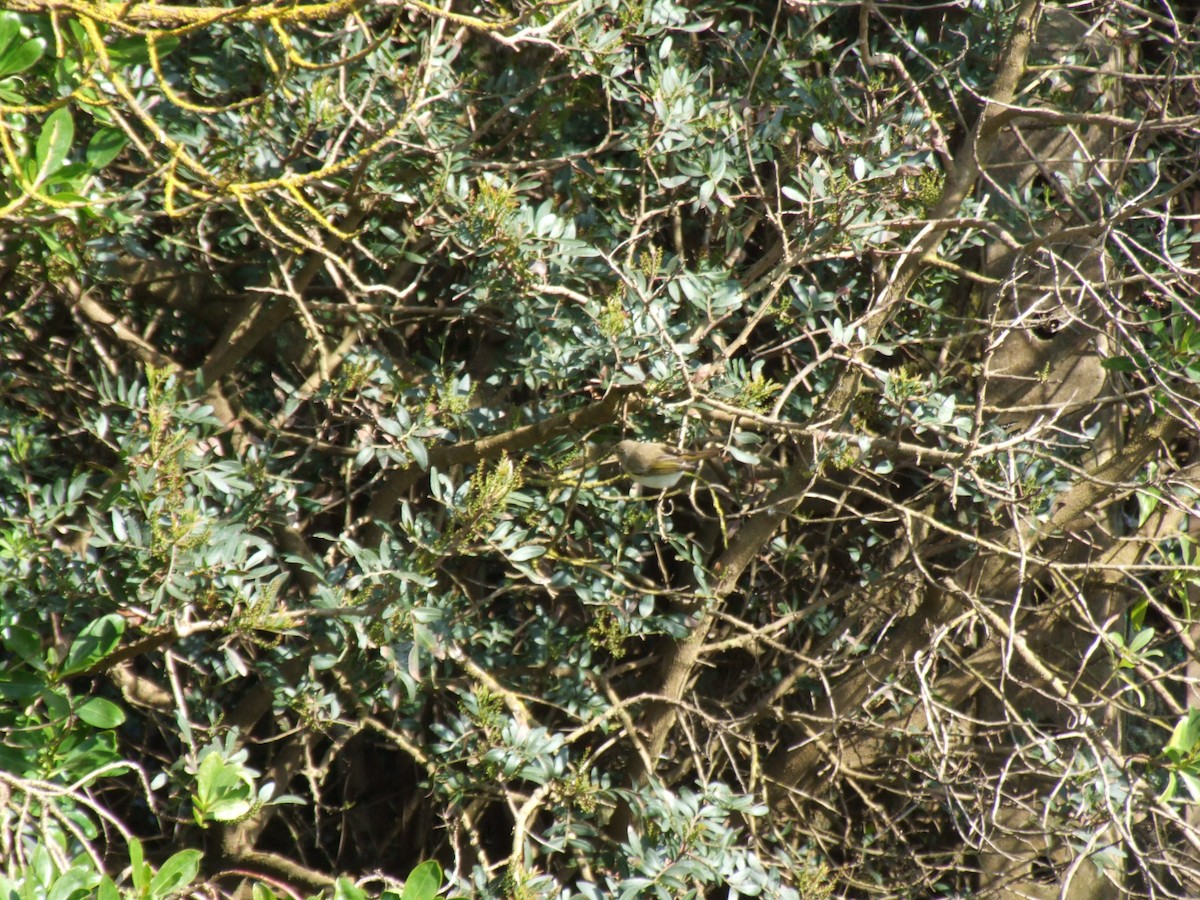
(1119, 364)
(423, 882)
(54, 143)
(58, 704)
(77, 883)
(23, 642)
(345, 889)
(21, 686)
(1186, 736)
(224, 790)
(17, 57)
(132, 51)
(177, 872)
(70, 175)
(10, 27)
(95, 642)
(22, 57)
(101, 713)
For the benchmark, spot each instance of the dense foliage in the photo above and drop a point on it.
(321, 320)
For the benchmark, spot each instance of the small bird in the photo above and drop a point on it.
(656, 465)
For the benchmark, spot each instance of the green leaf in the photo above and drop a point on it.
(72, 175)
(10, 27)
(17, 57)
(54, 143)
(23, 642)
(21, 686)
(1148, 501)
(74, 884)
(58, 704)
(1119, 364)
(1137, 612)
(21, 58)
(423, 882)
(95, 642)
(139, 872)
(417, 448)
(224, 790)
(130, 51)
(133, 51)
(56, 247)
(529, 551)
(177, 872)
(1186, 736)
(101, 713)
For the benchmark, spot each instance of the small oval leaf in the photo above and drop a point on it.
(21, 58)
(101, 713)
(95, 642)
(104, 147)
(54, 143)
(176, 873)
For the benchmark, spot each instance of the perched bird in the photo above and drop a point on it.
(657, 465)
